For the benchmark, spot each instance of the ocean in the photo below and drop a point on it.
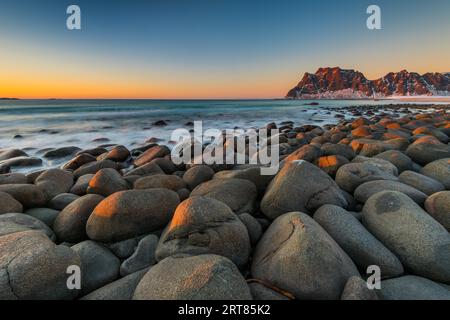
(34, 125)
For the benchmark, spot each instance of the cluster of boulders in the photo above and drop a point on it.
(373, 191)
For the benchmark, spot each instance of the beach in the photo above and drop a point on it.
(95, 207)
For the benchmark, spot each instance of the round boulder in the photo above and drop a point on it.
(438, 206)
(298, 256)
(368, 189)
(127, 214)
(203, 225)
(171, 182)
(204, 277)
(106, 182)
(420, 242)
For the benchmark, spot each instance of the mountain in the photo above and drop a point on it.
(337, 83)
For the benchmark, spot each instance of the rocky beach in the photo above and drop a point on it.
(364, 186)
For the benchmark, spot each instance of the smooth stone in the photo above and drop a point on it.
(205, 226)
(171, 182)
(61, 152)
(352, 175)
(204, 277)
(197, 175)
(81, 185)
(239, 194)
(142, 258)
(54, 182)
(422, 183)
(78, 161)
(62, 200)
(98, 265)
(70, 224)
(362, 247)
(145, 170)
(13, 178)
(439, 170)
(120, 290)
(343, 150)
(298, 256)
(11, 153)
(118, 154)
(397, 158)
(438, 206)
(127, 214)
(124, 249)
(33, 268)
(21, 162)
(94, 167)
(46, 215)
(425, 152)
(151, 154)
(261, 292)
(9, 204)
(356, 289)
(368, 189)
(300, 186)
(252, 174)
(18, 222)
(254, 228)
(412, 288)
(419, 241)
(107, 182)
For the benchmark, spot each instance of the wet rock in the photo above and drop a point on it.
(61, 152)
(124, 249)
(397, 158)
(118, 154)
(54, 182)
(13, 178)
(145, 170)
(425, 151)
(6, 154)
(21, 162)
(151, 154)
(78, 161)
(94, 167)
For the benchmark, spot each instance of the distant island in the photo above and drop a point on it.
(337, 83)
(9, 99)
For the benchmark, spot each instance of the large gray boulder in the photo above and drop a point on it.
(106, 182)
(204, 277)
(239, 194)
(142, 258)
(70, 224)
(364, 249)
(9, 204)
(438, 206)
(29, 195)
(99, 266)
(412, 288)
(356, 289)
(439, 170)
(121, 289)
(33, 268)
(368, 189)
(128, 214)
(420, 242)
(422, 183)
(300, 186)
(298, 256)
(54, 182)
(18, 222)
(202, 225)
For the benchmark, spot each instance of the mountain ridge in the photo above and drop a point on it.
(337, 83)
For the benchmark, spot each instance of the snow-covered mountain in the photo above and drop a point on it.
(337, 83)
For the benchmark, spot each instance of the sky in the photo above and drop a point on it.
(205, 49)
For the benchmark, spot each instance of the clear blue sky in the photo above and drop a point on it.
(209, 48)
